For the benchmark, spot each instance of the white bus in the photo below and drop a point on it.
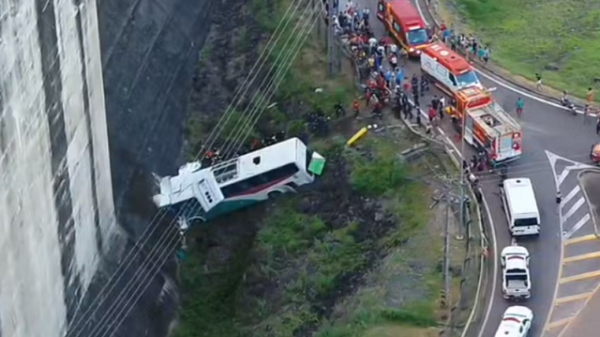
(206, 193)
(520, 206)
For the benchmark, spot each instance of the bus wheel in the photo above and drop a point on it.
(274, 195)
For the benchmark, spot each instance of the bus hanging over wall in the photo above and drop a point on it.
(198, 193)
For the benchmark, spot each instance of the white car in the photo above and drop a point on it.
(516, 322)
(516, 282)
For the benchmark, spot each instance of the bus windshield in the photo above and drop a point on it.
(417, 37)
(467, 79)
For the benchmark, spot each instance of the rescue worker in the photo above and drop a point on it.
(397, 105)
(432, 115)
(424, 84)
(356, 107)
(406, 107)
(393, 61)
(435, 103)
(339, 110)
(377, 110)
(414, 82)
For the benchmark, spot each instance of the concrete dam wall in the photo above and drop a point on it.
(65, 134)
(56, 202)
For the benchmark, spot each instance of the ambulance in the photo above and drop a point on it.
(450, 71)
(403, 22)
(487, 126)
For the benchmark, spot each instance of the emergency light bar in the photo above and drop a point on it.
(414, 27)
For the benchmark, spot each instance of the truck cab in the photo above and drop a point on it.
(516, 282)
(404, 23)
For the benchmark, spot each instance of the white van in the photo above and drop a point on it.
(520, 206)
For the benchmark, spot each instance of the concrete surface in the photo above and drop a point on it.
(56, 202)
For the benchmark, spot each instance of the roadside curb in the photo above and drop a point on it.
(493, 73)
(587, 199)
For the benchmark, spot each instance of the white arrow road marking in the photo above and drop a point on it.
(577, 226)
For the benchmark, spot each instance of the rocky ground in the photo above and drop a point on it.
(358, 253)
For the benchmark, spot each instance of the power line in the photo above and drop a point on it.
(260, 99)
(151, 228)
(136, 297)
(141, 268)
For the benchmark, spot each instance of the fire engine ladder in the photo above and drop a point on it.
(505, 123)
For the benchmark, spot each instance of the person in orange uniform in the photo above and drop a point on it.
(356, 107)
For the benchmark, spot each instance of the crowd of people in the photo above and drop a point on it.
(467, 45)
(382, 69)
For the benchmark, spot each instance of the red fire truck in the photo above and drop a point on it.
(403, 22)
(487, 126)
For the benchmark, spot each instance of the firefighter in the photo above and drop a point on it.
(377, 110)
(356, 107)
(424, 84)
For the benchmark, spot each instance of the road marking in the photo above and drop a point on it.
(578, 226)
(582, 257)
(573, 298)
(488, 312)
(573, 209)
(579, 277)
(552, 161)
(571, 194)
(558, 323)
(563, 176)
(580, 239)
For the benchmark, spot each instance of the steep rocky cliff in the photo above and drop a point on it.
(149, 49)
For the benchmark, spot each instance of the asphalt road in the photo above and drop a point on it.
(545, 128)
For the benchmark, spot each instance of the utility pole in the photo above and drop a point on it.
(462, 178)
(330, 38)
(319, 9)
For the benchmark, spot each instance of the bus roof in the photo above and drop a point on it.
(448, 58)
(257, 162)
(520, 196)
(407, 14)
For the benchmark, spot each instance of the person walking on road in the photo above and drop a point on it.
(520, 106)
(598, 126)
(538, 81)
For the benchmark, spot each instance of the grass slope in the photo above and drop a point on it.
(528, 36)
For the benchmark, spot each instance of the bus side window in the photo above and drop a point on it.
(397, 27)
(452, 78)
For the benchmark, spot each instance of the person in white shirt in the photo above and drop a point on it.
(394, 49)
(381, 50)
(373, 44)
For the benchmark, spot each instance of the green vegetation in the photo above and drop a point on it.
(304, 261)
(529, 36)
(352, 256)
